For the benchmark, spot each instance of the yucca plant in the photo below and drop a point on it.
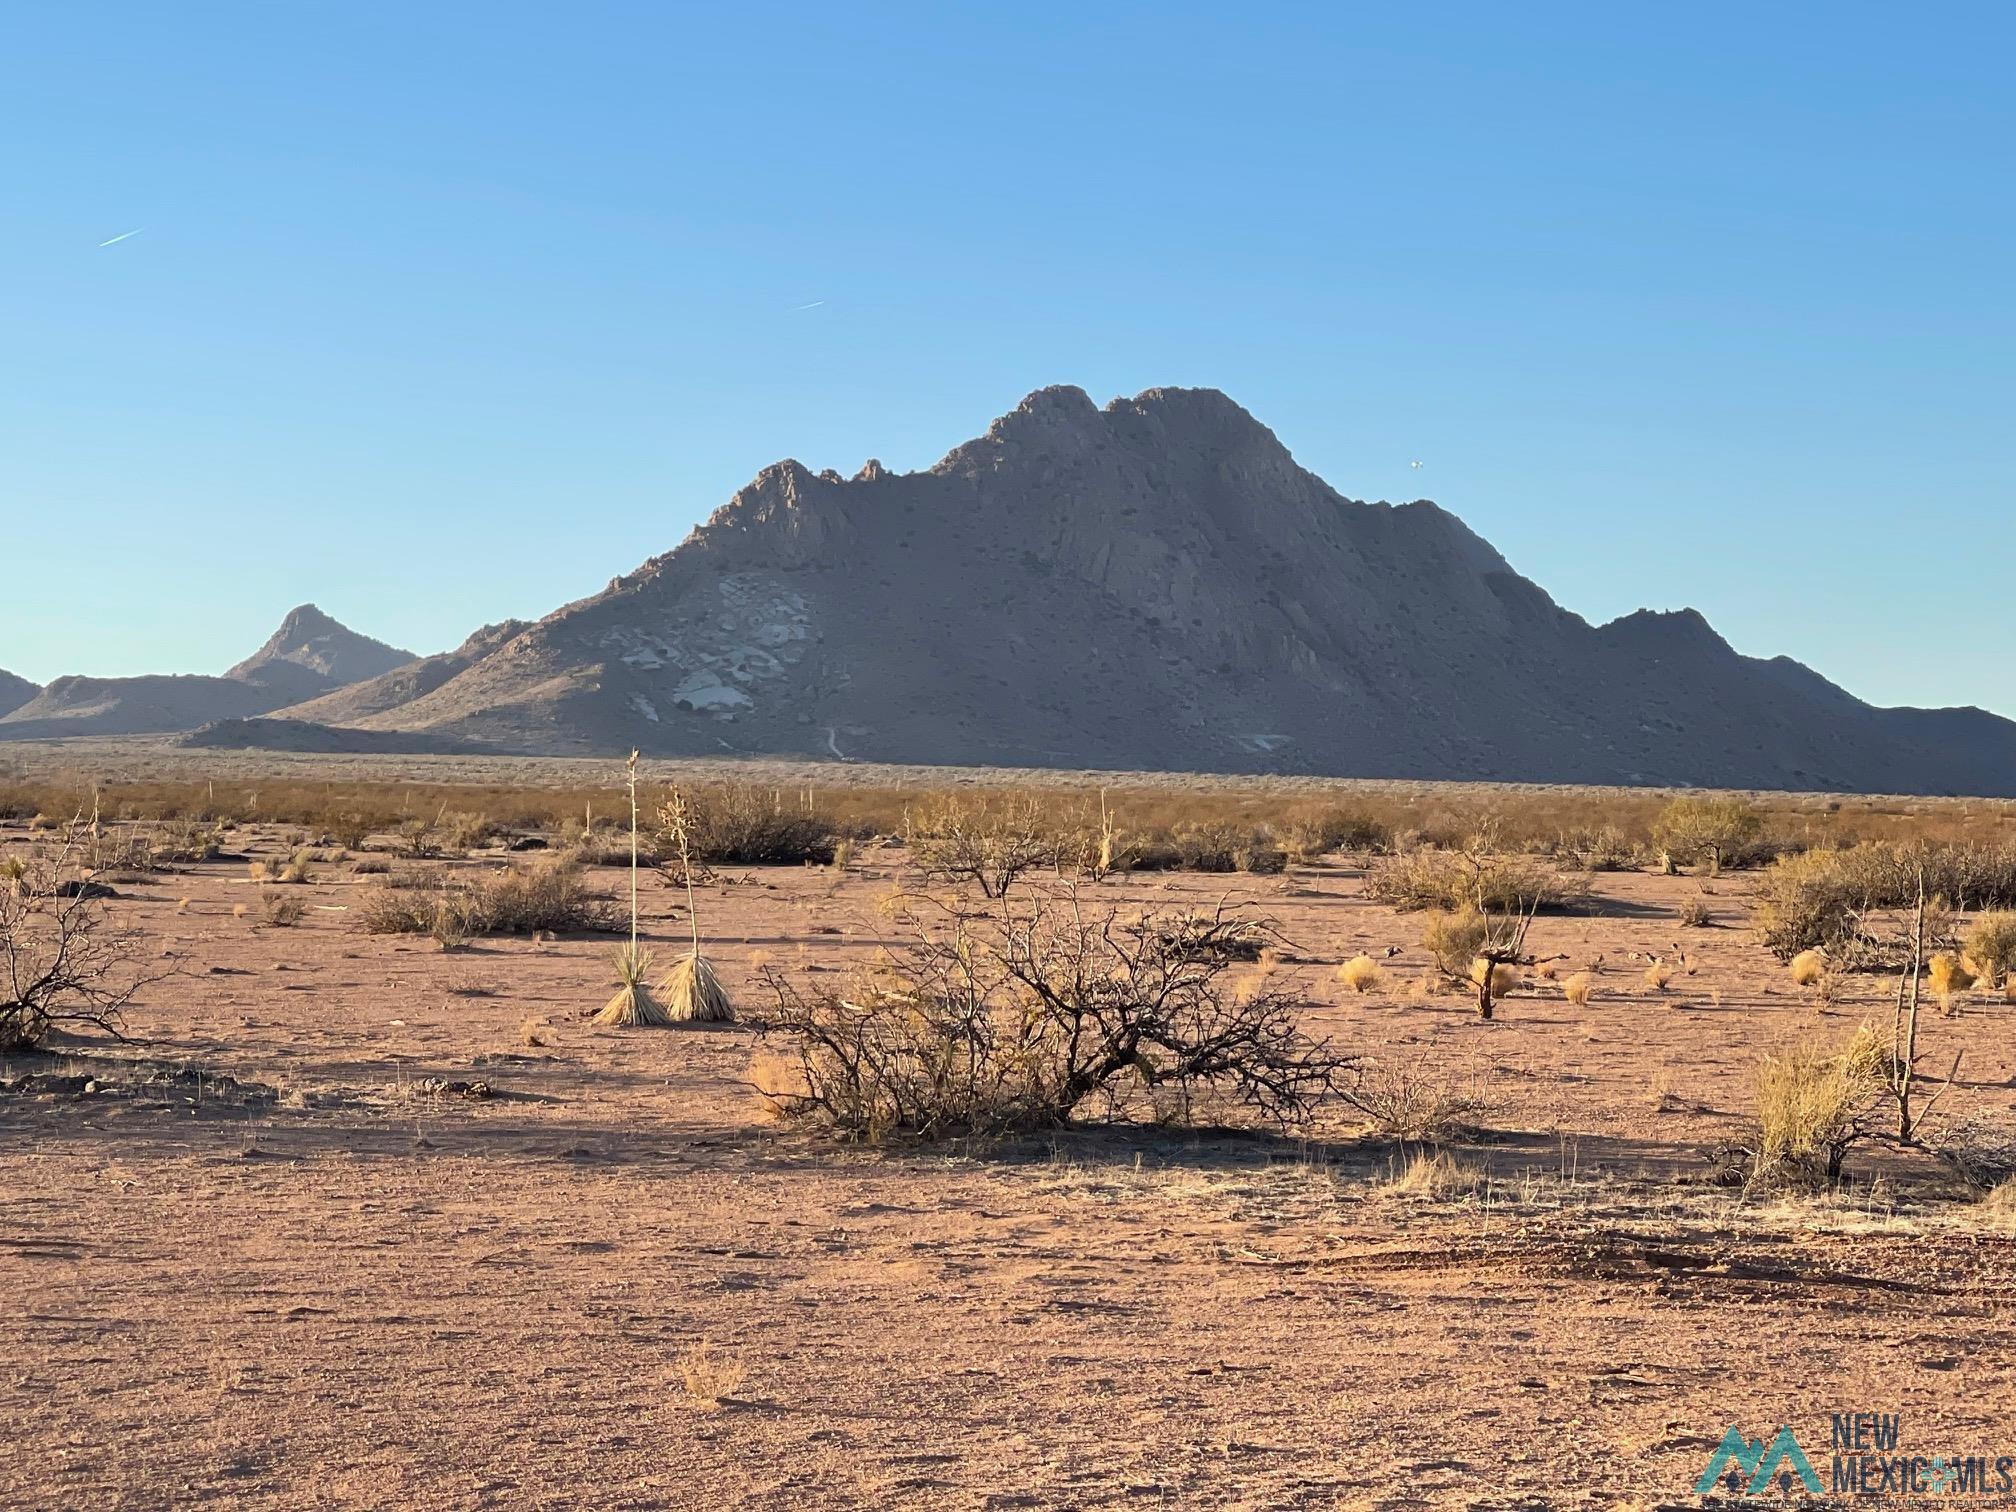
(633, 1006)
(692, 990)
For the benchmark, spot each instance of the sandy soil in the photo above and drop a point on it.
(284, 1273)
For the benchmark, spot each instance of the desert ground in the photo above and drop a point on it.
(268, 1252)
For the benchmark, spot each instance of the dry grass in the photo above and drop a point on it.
(1503, 978)
(709, 1378)
(1946, 975)
(1808, 967)
(1659, 976)
(1813, 1103)
(1361, 974)
(281, 910)
(1434, 1176)
(1990, 942)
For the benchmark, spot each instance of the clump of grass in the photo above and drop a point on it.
(1502, 978)
(1947, 975)
(280, 910)
(1998, 1205)
(1990, 942)
(1808, 967)
(1659, 976)
(239, 910)
(298, 870)
(1579, 988)
(259, 871)
(1694, 914)
(1435, 1176)
(710, 1379)
(1814, 1103)
(1361, 974)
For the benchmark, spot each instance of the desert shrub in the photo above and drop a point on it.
(465, 832)
(1033, 1016)
(281, 910)
(988, 841)
(1946, 975)
(1305, 835)
(371, 866)
(1814, 1103)
(1475, 948)
(1715, 832)
(1808, 967)
(551, 897)
(1990, 943)
(745, 825)
(1361, 973)
(1452, 880)
(348, 828)
(1693, 914)
(63, 961)
(1825, 898)
(1413, 1102)
(183, 843)
(1600, 848)
(298, 869)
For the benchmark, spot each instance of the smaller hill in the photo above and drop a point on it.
(14, 691)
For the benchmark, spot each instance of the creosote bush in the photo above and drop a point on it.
(1824, 898)
(1453, 880)
(547, 897)
(63, 960)
(742, 824)
(1711, 832)
(1031, 1014)
(988, 841)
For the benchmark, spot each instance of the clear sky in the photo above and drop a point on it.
(440, 313)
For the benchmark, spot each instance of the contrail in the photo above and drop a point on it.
(812, 306)
(122, 236)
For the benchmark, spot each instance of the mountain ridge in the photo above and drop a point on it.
(1151, 584)
(1157, 583)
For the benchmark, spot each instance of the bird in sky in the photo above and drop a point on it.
(1415, 465)
(122, 236)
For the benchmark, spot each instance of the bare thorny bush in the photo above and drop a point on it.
(62, 960)
(1035, 1012)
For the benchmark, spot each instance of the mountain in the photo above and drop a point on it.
(313, 651)
(14, 691)
(1154, 584)
(404, 683)
(309, 655)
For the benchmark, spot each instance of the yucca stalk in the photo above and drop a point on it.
(633, 1006)
(693, 992)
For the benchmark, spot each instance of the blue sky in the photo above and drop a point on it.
(446, 312)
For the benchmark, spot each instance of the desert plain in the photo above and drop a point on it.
(353, 1220)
